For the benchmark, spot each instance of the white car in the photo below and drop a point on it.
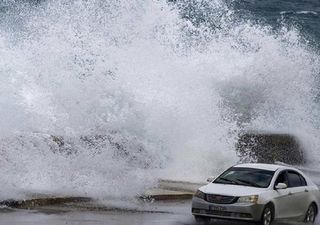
(261, 193)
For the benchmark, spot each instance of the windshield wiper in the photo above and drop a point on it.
(231, 181)
(249, 183)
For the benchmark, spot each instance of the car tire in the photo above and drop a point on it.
(202, 219)
(311, 214)
(267, 215)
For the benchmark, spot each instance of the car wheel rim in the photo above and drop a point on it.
(267, 216)
(310, 214)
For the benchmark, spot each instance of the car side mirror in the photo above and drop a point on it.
(281, 186)
(210, 179)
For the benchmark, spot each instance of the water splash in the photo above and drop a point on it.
(169, 85)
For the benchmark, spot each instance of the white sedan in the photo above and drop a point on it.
(258, 192)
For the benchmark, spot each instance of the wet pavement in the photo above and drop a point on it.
(158, 213)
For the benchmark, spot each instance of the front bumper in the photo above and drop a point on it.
(237, 211)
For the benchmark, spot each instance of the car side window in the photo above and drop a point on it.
(282, 178)
(303, 180)
(294, 179)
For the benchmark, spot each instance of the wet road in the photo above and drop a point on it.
(158, 214)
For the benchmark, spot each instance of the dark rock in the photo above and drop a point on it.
(269, 148)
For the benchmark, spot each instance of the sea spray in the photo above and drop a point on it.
(141, 90)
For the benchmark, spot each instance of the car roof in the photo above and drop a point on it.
(264, 166)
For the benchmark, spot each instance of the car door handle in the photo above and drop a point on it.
(289, 193)
(306, 190)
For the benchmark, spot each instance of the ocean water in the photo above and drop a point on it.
(103, 98)
(303, 15)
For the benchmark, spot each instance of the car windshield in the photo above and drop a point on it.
(246, 176)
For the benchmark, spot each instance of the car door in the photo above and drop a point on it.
(298, 191)
(283, 198)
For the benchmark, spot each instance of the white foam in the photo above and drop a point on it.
(307, 12)
(136, 69)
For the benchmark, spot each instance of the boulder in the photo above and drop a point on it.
(269, 148)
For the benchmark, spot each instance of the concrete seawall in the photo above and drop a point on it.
(166, 190)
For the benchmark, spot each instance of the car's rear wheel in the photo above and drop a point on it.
(202, 219)
(267, 215)
(311, 214)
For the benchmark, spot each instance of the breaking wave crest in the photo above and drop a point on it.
(104, 97)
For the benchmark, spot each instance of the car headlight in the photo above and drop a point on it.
(199, 194)
(249, 199)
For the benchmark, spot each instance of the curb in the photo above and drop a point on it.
(179, 186)
(162, 195)
(32, 203)
(172, 190)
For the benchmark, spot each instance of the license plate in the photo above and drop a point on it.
(217, 208)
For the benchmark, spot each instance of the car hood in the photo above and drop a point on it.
(231, 190)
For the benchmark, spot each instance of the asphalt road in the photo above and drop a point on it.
(161, 213)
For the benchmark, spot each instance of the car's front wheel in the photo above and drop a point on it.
(267, 216)
(311, 214)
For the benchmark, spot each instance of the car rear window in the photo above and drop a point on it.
(246, 176)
